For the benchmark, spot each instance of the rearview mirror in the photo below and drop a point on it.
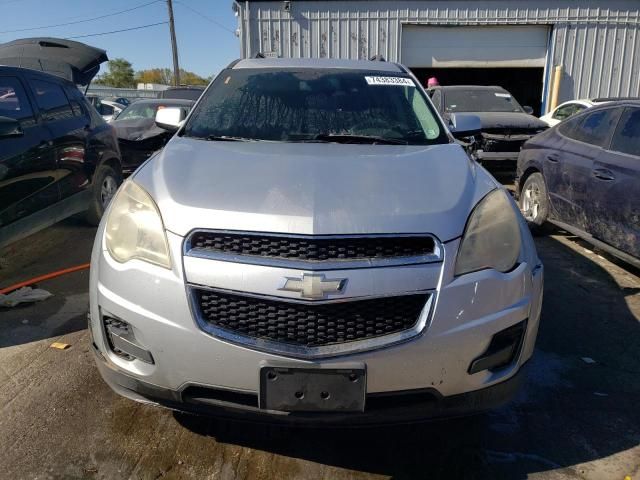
(464, 125)
(10, 127)
(170, 118)
(528, 109)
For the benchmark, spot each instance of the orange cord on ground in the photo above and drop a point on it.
(41, 278)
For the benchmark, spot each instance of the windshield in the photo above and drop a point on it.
(140, 111)
(328, 105)
(476, 100)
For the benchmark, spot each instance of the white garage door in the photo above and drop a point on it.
(425, 46)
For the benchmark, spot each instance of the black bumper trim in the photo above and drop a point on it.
(382, 408)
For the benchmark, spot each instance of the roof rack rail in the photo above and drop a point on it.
(402, 67)
(613, 99)
(377, 58)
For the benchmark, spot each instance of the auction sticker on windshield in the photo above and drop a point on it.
(398, 81)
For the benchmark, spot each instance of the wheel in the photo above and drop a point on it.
(106, 181)
(534, 202)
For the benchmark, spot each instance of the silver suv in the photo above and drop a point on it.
(312, 245)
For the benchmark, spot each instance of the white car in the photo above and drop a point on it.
(110, 110)
(568, 109)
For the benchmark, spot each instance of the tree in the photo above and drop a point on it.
(164, 76)
(190, 78)
(120, 74)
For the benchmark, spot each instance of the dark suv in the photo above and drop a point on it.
(57, 155)
(506, 125)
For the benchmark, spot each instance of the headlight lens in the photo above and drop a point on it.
(134, 228)
(492, 236)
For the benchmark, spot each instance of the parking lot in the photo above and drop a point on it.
(576, 415)
(300, 233)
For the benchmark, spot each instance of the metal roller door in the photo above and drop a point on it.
(426, 46)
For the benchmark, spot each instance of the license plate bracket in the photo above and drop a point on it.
(312, 389)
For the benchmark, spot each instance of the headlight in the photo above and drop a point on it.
(492, 236)
(134, 228)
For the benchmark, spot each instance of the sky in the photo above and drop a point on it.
(204, 29)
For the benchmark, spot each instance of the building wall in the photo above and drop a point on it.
(597, 42)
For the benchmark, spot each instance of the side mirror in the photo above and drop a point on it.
(528, 109)
(10, 127)
(464, 125)
(170, 118)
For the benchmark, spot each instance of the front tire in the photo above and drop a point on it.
(534, 202)
(106, 181)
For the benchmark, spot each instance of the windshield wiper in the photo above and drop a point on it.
(226, 138)
(352, 138)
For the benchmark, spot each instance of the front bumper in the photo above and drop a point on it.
(382, 408)
(496, 156)
(468, 311)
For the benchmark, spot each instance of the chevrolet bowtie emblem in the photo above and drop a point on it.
(314, 286)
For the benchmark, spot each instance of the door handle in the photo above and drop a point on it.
(553, 157)
(603, 174)
(44, 144)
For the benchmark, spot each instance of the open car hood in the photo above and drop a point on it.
(137, 129)
(75, 61)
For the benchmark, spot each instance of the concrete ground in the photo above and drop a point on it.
(577, 416)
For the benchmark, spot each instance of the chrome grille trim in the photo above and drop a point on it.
(436, 256)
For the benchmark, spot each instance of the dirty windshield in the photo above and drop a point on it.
(344, 106)
(476, 100)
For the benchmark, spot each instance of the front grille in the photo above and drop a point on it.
(309, 325)
(502, 145)
(313, 249)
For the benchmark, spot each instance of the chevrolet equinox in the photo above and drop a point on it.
(312, 245)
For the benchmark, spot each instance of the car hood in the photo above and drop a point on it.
(520, 120)
(314, 188)
(137, 129)
(75, 61)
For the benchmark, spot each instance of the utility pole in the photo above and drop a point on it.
(174, 45)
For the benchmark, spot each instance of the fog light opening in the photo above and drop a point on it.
(122, 341)
(503, 350)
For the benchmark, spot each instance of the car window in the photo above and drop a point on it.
(566, 111)
(76, 100)
(568, 127)
(106, 109)
(13, 99)
(627, 136)
(139, 111)
(478, 100)
(423, 114)
(308, 105)
(595, 128)
(52, 100)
